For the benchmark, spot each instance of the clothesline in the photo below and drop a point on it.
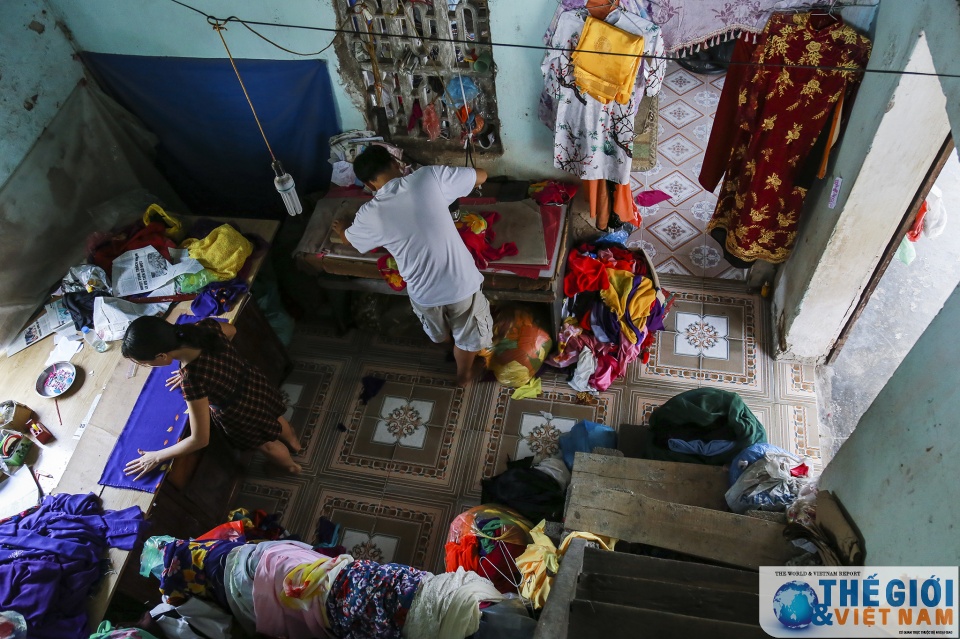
(511, 45)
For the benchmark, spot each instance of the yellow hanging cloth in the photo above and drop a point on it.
(222, 252)
(538, 565)
(607, 77)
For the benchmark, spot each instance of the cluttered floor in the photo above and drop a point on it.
(395, 470)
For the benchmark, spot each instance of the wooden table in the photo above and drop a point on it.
(347, 272)
(74, 466)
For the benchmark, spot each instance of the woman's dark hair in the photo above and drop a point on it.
(148, 337)
(372, 162)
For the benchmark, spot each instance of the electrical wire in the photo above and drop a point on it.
(219, 27)
(542, 47)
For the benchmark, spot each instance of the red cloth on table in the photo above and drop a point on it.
(153, 234)
(480, 244)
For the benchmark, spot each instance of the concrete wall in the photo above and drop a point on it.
(819, 286)
(896, 475)
(37, 74)
(150, 28)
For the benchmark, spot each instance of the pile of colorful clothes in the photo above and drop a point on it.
(291, 589)
(614, 309)
(50, 560)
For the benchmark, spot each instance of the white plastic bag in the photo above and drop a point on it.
(766, 484)
(196, 619)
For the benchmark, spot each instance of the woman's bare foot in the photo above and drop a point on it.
(289, 438)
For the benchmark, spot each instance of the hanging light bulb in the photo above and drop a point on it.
(287, 189)
(283, 182)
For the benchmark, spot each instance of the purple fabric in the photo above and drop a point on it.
(157, 421)
(640, 331)
(605, 324)
(649, 198)
(50, 560)
(218, 298)
(655, 321)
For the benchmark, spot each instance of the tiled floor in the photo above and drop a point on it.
(395, 471)
(674, 232)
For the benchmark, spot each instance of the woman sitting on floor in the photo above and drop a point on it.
(218, 385)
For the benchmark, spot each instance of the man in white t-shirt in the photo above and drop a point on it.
(409, 217)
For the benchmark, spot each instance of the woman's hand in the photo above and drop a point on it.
(175, 380)
(147, 461)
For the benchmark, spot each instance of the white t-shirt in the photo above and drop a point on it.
(409, 217)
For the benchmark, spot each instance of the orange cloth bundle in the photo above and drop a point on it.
(607, 77)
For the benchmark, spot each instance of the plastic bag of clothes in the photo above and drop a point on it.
(195, 619)
(487, 539)
(772, 483)
(520, 346)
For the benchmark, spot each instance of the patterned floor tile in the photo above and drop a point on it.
(701, 347)
(678, 149)
(410, 431)
(796, 382)
(384, 528)
(678, 186)
(673, 266)
(679, 114)
(520, 428)
(681, 81)
(673, 230)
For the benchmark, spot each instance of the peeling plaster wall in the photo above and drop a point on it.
(37, 74)
(896, 475)
(818, 288)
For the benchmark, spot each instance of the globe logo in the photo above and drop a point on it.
(793, 604)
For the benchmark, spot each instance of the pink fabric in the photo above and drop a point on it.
(273, 618)
(649, 198)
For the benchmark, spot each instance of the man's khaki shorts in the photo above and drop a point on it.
(468, 321)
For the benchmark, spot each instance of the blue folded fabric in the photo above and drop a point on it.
(584, 437)
(700, 447)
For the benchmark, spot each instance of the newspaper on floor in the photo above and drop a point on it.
(145, 269)
(55, 317)
(112, 315)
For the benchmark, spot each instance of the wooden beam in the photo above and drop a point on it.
(707, 603)
(590, 619)
(619, 564)
(554, 619)
(690, 484)
(727, 538)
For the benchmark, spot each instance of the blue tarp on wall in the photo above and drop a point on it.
(210, 147)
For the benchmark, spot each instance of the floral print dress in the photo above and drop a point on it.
(594, 141)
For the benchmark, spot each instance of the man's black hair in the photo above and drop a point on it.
(374, 161)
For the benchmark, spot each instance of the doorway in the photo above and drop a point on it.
(902, 298)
